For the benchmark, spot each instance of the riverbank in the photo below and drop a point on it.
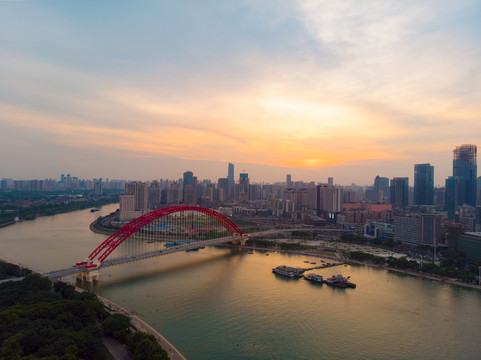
(98, 230)
(357, 262)
(143, 326)
(137, 322)
(47, 211)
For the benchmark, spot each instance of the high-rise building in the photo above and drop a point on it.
(243, 186)
(288, 181)
(461, 187)
(399, 192)
(465, 166)
(439, 196)
(188, 179)
(188, 191)
(479, 191)
(173, 193)
(423, 184)
(477, 219)
(222, 188)
(470, 244)
(189, 195)
(154, 194)
(381, 187)
(329, 199)
(127, 208)
(141, 192)
(230, 179)
(419, 229)
(454, 187)
(98, 187)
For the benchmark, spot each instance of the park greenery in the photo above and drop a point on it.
(41, 320)
(29, 205)
(352, 238)
(404, 264)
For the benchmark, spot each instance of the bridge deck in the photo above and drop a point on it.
(56, 274)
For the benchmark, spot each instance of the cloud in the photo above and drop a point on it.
(302, 84)
(404, 53)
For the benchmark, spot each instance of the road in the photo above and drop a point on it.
(116, 348)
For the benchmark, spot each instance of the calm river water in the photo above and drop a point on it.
(227, 304)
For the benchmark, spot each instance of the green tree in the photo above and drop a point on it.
(11, 348)
(117, 326)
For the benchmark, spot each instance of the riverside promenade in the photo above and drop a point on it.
(141, 325)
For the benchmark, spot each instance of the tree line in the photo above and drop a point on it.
(404, 263)
(41, 320)
(9, 211)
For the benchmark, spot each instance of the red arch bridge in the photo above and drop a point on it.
(159, 232)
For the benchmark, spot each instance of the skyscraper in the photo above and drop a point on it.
(244, 182)
(288, 181)
(230, 180)
(423, 184)
(188, 179)
(381, 187)
(461, 187)
(399, 192)
(243, 186)
(465, 166)
(222, 188)
(98, 187)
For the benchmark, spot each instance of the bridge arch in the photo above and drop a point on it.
(126, 231)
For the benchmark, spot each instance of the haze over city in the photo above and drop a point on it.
(312, 88)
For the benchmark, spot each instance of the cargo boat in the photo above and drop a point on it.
(339, 281)
(314, 278)
(288, 271)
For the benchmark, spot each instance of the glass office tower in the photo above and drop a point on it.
(423, 184)
(461, 187)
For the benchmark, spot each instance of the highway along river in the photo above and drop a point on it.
(227, 304)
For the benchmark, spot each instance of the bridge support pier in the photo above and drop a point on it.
(89, 276)
(239, 241)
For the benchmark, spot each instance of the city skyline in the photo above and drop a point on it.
(200, 169)
(309, 88)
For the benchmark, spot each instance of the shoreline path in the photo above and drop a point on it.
(141, 325)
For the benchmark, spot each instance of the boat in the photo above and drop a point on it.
(176, 243)
(313, 263)
(314, 278)
(306, 261)
(94, 210)
(288, 271)
(339, 281)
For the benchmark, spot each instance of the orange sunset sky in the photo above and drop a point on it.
(149, 89)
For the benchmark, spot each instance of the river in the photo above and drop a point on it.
(221, 303)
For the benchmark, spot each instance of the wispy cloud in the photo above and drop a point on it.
(307, 83)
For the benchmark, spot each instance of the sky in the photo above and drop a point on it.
(148, 89)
